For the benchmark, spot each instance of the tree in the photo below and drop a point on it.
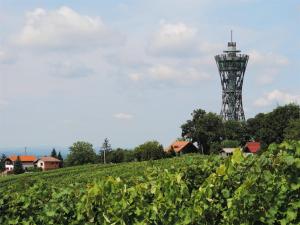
(53, 153)
(236, 130)
(268, 128)
(81, 153)
(61, 164)
(230, 144)
(292, 131)
(18, 166)
(150, 150)
(105, 149)
(204, 129)
(115, 156)
(2, 163)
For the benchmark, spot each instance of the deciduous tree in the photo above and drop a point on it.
(81, 153)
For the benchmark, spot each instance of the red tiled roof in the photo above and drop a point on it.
(177, 146)
(23, 158)
(253, 147)
(49, 159)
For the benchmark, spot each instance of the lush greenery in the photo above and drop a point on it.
(209, 131)
(18, 166)
(81, 153)
(193, 189)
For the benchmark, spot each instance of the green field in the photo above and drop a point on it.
(191, 189)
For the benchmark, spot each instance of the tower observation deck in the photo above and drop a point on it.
(232, 66)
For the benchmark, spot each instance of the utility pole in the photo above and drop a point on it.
(104, 160)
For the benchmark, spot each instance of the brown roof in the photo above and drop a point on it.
(23, 158)
(48, 159)
(177, 146)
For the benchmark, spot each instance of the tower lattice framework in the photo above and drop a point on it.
(232, 67)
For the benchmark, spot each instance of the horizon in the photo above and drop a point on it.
(134, 71)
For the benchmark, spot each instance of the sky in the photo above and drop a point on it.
(134, 70)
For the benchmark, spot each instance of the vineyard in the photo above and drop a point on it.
(192, 189)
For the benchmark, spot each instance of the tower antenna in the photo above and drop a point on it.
(231, 35)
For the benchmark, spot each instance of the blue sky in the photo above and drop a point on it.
(134, 70)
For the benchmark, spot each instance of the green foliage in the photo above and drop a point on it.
(53, 153)
(204, 128)
(292, 131)
(104, 151)
(183, 190)
(33, 169)
(2, 163)
(150, 150)
(81, 153)
(61, 164)
(230, 144)
(270, 127)
(236, 130)
(18, 166)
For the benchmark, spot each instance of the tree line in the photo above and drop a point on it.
(211, 133)
(83, 152)
(206, 129)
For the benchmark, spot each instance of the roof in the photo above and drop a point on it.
(228, 150)
(178, 146)
(48, 159)
(253, 146)
(23, 158)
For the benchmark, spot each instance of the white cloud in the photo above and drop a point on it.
(268, 65)
(6, 58)
(179, 74)
(63, 27)
(70, 69)
(177, 38)
(123, 116)
(277, 96)
(135, 77)
(269, 58)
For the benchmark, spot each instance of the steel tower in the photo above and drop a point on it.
(232, 67)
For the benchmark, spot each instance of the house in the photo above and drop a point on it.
(181, 147)
(26, 160)
(227, 151)
(252, 147)
(48, 163)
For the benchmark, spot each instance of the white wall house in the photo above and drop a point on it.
(27, 161)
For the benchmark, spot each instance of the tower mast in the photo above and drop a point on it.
(232, 66)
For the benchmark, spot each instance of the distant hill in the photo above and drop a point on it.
(37, 151)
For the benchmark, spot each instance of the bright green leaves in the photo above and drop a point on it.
(193, 190)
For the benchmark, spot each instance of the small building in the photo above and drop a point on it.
(252, 147)
(26, 160)
(48, 163)
(227, 151)
(181, 147)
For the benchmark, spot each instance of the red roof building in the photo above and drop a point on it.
(181, 147)
(252, 147)
(27, 161)
(48, 163)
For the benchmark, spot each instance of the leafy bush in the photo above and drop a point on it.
(261, 189)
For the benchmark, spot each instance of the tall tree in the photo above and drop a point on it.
(61, 164)
(236, 130)
(2, 162)
(105, 149)
(292, 131)
(270, 127)
(18, 166)
(204, 129)
(81, 153)
(149, 150)
(53, 153)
